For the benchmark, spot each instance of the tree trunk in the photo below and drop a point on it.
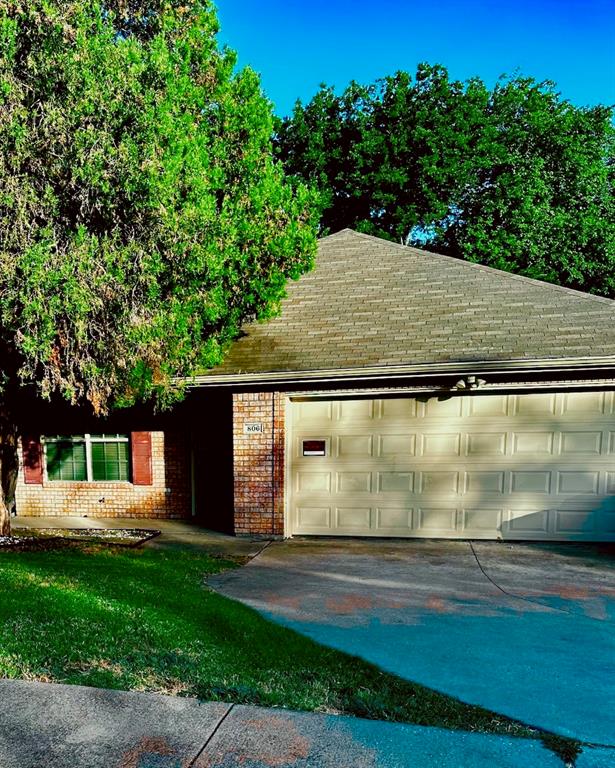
(9, 465)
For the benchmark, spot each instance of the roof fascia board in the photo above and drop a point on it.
(395, 372)
(417, 390)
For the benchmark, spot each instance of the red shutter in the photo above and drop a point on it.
(141, 446)
(32, 459)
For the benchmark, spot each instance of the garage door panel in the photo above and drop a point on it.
(528, 521)
(352, 482)
(573, 521)
(581, 443)
(489, 407)
(439, 482)
(441, 444)
(481, 519)
(533, 443)
(486, 444)
(396, 482)
(578, 482)
(314, 410)
(397, 445)
(356, 410)
(394, 518)
(355, 446)
(607, 522)
(485, 482)
(591, 403)
(530, 482)
(443, 408)
(399, 409)
(504, 466)
(314, 517)
(313, 481)
(437, 519)
(354, 518)
(535, 405)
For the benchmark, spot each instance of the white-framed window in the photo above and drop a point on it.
(87, 458)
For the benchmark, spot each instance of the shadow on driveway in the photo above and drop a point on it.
(525, 630)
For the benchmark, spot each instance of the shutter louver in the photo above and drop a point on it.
(32, 459)
(141, 447)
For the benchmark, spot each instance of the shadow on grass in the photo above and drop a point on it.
(142, 620)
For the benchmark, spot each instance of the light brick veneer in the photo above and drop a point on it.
(168, 495)
(258, 463)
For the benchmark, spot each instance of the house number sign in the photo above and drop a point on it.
(253, 428)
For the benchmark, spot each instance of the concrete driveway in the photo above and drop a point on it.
(526, 630)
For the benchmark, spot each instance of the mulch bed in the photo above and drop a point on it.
(36, 539)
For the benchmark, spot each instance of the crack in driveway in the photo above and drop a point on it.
(526, 598)
(467, 619)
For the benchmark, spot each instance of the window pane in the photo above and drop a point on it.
(123, 461)
(111, 452)
(110, 461)
(66, 460)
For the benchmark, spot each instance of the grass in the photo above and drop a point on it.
(141, 619)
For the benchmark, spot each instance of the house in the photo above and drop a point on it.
(398, 393)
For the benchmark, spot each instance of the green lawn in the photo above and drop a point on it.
(140, 619)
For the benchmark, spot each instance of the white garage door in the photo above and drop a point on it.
(538, 466)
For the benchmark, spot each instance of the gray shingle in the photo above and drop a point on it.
(370, 302)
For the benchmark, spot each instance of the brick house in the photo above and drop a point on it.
(398, 393)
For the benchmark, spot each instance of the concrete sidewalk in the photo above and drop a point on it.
(61, 726)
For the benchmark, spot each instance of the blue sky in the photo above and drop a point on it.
(297, 44)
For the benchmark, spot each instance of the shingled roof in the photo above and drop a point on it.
(370, 304)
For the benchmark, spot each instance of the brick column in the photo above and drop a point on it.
(258, 463)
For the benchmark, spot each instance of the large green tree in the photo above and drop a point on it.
(142, 216)
(515, 176)
(541, 200)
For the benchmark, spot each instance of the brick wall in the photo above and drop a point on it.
(168, 496)
(258, 460)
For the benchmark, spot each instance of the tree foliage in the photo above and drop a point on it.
(514, 177)
(142, 215)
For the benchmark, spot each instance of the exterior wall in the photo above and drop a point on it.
(169, 495)
(258, 459)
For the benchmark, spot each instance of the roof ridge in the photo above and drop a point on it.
(346, 230)
(483, 267)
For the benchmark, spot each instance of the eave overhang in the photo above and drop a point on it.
(596, 365)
